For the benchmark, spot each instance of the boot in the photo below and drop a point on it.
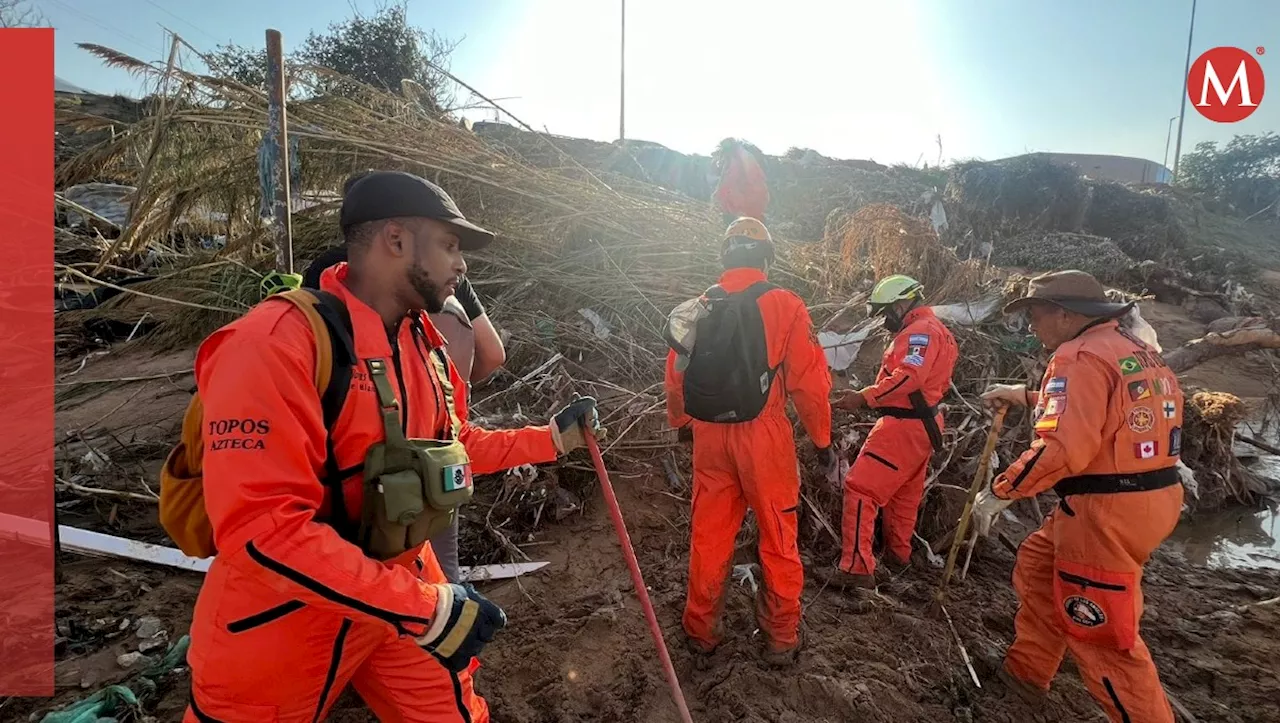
(841, 580)
(701, 654)
(889, 568)
(894, 565)
(783, 657)
(1032, 694)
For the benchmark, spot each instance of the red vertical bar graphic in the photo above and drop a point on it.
(26, 372)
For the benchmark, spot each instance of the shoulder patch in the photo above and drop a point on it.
(1130, 365)
(1139, 390)
(1142, 419)
(1056, 385)
(1056, 406)
(1047, 424)
(914, 360)
(918, 340)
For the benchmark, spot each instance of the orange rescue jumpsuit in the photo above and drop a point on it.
(754, 464)
(889, 470)
(290, 612)
(1108, 432)
(743, 190)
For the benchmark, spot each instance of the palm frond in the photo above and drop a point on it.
(117, 59)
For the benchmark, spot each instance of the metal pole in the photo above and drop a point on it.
(622, 85)
(1177, 152)
(1167, 137)
(278, 136)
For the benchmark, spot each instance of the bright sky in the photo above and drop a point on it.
(849, 78)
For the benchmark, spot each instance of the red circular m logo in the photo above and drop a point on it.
(1225, 84)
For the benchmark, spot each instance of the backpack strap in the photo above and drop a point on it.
(758, 289)
(335, 358)
(752, 295)
(440, 365)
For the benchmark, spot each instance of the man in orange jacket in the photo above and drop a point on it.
(471, 343)
(293, 607)
(1108, 432)
(743, 189)
(890, 469)
(755, 349)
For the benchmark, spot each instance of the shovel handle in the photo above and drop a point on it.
(637, 580)
(967, 513)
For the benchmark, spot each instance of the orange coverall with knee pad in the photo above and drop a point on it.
(889, 471)
(1108, 432)
(291, 612)
(753, 464)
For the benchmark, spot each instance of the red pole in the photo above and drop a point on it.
(636, 579)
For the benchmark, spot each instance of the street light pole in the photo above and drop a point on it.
(1177, 153)
(622, 85)
(1167, 136)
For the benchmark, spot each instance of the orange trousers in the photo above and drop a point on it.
(736, 466)
(1079, 582)
(887, 475)
(258, 656)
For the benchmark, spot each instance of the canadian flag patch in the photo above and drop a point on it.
(1146, 450)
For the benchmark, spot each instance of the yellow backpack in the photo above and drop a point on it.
(182, 510)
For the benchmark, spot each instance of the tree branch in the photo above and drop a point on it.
(1233, 335)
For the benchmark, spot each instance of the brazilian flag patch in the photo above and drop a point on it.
(1130, 365)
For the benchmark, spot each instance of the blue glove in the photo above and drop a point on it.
(569, 425)
(465, 622)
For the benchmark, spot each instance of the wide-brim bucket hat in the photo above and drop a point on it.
(1075, 291)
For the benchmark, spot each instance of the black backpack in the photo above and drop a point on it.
(728, 378)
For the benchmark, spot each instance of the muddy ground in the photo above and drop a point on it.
(577, 647)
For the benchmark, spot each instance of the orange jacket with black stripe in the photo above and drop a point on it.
(1107, 405)
(264, 493)
(921, 359)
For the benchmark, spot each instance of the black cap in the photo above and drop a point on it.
(391, 194)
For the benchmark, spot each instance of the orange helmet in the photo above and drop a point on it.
(748, 227)
(747, 237)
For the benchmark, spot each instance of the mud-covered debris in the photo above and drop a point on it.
(129, 660)
(149, 627)
(159, 641)
(565, 503)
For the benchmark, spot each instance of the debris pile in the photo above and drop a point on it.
(882, 239)
(1142, 224)
(1209, 428)
(1002, 198)
(1051, 250)
(804, 191)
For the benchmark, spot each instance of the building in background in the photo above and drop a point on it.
(1123, 169)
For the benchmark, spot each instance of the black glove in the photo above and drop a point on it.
(827, 460)
(567, 428)
(685, 433)
(465, 622)
(467, 297)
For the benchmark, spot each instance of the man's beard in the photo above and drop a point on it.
(432, 294)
